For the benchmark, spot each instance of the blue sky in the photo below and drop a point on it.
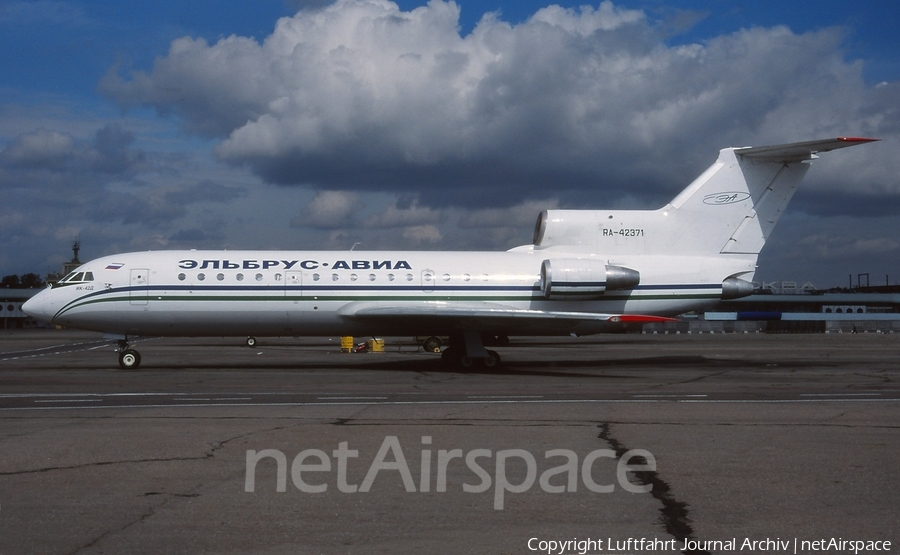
(151, 125)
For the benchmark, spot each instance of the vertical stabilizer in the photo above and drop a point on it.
(730, 209)
(733, 207)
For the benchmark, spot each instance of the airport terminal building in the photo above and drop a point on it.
(11, 301)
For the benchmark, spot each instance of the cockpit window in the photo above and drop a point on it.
(75, 277)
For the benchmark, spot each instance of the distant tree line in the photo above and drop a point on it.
(25, 281)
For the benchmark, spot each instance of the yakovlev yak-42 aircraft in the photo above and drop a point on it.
(588, 271)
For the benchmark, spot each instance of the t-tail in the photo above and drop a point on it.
(715, 227)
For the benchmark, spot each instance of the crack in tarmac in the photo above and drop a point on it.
(102, 463)
(166, 497)
(153, 509)
(675, 517)
(140, 519)
(208, 454)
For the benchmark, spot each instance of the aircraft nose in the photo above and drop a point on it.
(39, 306)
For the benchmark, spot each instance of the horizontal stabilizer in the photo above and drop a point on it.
(796, 152)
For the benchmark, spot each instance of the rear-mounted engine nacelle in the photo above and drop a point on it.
(583, 278)
(735, 288)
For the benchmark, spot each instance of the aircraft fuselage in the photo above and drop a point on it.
(234, 293)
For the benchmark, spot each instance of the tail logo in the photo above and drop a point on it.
(719, 199)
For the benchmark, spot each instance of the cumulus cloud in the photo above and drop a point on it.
(405, 216)
(99, 186)
(42, 148)
(360, 95)
(52, 152)
(329, 210)
(521, 215)
(422, 234)
(406, 133)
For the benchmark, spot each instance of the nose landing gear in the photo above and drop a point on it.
(128, 358)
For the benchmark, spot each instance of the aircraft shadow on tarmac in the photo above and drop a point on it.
(514, 364)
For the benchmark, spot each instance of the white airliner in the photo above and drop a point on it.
(588, 271)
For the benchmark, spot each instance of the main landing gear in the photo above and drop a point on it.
(128, 358)
(432, 344)
(467, 350)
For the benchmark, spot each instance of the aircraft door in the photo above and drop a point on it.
(295, 313)
(293, 284)
(428, 281)
(139, 294)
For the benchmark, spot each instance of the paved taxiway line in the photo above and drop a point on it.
(839, 394)
(54, 350)
(200, 402)
(65, 349)
(68, 400)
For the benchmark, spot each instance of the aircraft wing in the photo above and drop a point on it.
(795, 152)
(493, 316)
